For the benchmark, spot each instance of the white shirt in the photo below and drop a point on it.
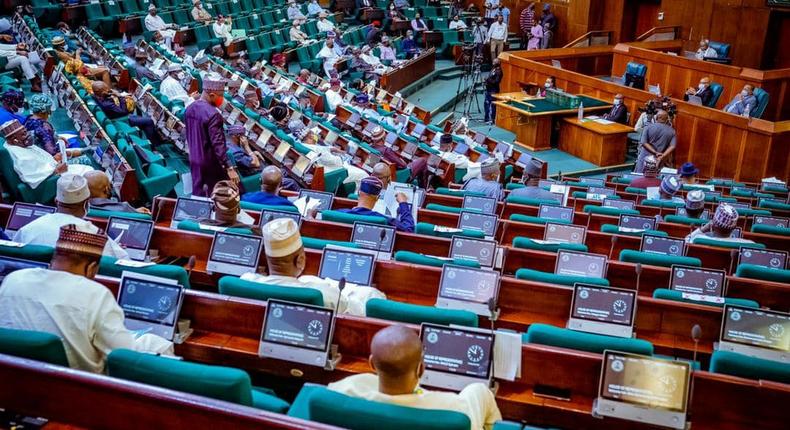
(155, 23)
(172, 88)
(708, 53)
(8, 50)
(475, 401)
(313, 8)
(457, 25)
(352, 301)
(46, 229)
(498, 31)
(331, 162)
(34, 165)
(334, 99)
(330, 57)
(325, 25)
(223, 31)
(82, 312)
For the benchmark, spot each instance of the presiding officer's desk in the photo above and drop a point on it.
(603, 144)
(531, 118)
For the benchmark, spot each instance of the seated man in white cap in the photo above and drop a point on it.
(724, 221)
(369, 192)
(331, 158)
(670, 186)
(285, 259)
(695, 203)
(324, 25)
(67, 302)
(396, 357)
(171, 85)
(460, 161)
(313, 9)
(32, 163)
(369, 57)
(488, 182)
(294, 11)
(71, 201)
(154, 22)
(199, 13)
(532, 174)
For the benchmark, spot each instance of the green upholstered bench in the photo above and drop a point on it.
(614, 229)
(427, 260)
(662, 203)
(347, 218)
(608, 210)
(318, 403)
(35, 345)
(218, 382)
(544, 334)
(98, 213)
(259, 207)
(449, 209)
(191, 225)
(744, 366)
(768, 204)
(233, 286)
(551, 278)
(40, 253)
(754, 271)
(666, 294)
(314, 243)
(527, 243)
(430, 230)
(753, 212)
(537, 220)
(459, 193)
(418, 314)
(514, 186)
(725, 243)
(528, 201)
(724, 183)
(583, 195)
(653, 259)
(634, 190)
(107, 267)
(771, 229)
(678, 219)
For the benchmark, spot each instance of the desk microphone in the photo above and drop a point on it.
(638, 270)
(382, 237)
(157, 207)
(614, 242)
(205, 190)
(340, 285)
(492, 310)
(733, 257)
(191, 265)
(696, 335)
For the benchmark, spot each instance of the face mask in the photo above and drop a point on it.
(547, 85)
(218, 101)
(744, 93)
(392, 7)
(181, 75)
(616, 102)
(701, 86)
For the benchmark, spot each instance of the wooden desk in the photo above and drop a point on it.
(409, 72)
(602, 145)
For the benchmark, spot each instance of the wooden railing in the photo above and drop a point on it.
(655, 34)
(592, 38)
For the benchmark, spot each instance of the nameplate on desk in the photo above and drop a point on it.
(702, 298)
(134, 264)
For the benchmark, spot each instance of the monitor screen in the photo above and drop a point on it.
(485, 205)
(468, 284)
(297, 325)
(418, 130)
(191, 209)
(8, 265)
(465, 248)
(325, 198)
(353, 265)
(769, 258)
(391, 138)
(560, 213)
(546, 183)
(604, 304)
(663, 245)
(637, 222)
(619, 203)
(461, 148)
(374, 237)
(645, 381)
(756, 327)
(694, 280)
(580, 264)
(771, 220)
(456, 350)
(601, 191)
(476, 221)
(564, 233)
(524, 159)
(268, 215)
(130, 233)
(236, 249)
(682, 212)
(353, 119)
(23, 214)
(145, 299)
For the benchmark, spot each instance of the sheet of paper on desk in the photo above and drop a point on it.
(507, 355)
(592, 117)
(603, 121)
(304, 207)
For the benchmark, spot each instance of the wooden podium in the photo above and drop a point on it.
(600, 144)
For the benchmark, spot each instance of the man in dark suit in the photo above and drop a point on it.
(702, 91)
(619, 112)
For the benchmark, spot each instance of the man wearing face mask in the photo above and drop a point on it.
(12, 102)
(71, 200)
(208, 151)
(117, 106)
(703, 91)
(744, 103)
(551, 83)
(154, 22)
(171, 85)
(618, 113)
(199, 14)
(488, 182)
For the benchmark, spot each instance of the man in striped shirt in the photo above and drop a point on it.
(525, 23)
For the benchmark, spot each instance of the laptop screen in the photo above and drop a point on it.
(601, 191)
(637, 222)
(268, 215)
(325, 199)
(23, 214)
(560, 213)
(461, 148)
(374, 237)
(580, 264)
(756, 327)
(457, 351)
(191, 209)
(468, 284)
(466, 248)
(694, 280)
(645, 381)
(769, 258)
(485, 205)
(771, 220)
(418, 130)
(236, 249)
(391, 138)
(130, 233)
(8, 265)
(619, 203)
(663, 245)
(149, 300)
(564, 233)
(603, 304)
(355, 266)
(481, 222)
(298, 325)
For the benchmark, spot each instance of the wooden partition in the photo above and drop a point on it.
(675, 73)
(720, 144)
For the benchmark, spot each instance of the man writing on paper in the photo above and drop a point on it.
(285, 259)
(67, 302)
(396, 357)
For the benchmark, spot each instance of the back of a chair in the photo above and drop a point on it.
(717, 90)
(731, 363)
(35, 345)
(762, 102)
(722, 49)
(666, 294)
(418, 314)
(233, 286)
(544, 334)
(108, 267)
(653, 259)
(753, 271)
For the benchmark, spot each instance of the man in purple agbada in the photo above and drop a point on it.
(208, 152)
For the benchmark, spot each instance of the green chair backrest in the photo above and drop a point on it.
(544, 334)
(666, 294)
(314, 243)
(551, 278)
(608, 210)
(744, 366)
(258, 207)
(613, 229)
(770, 229)
(35, 345)
(99, 213)
(418, 314)
(448, 209)
(529, 202)
(430, 230)
(427, 260)
(347, 218)
(725, 243)
(537, 220)
(191, 225)
(652, 259)
(662, 203)
(678, 219)
(107, 267)
(460, 193)
(527, 243)
(233, 286)
(754, 271)
(40, 253)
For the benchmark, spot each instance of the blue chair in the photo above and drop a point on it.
(634, 75)
(722, 52)
(717, 90)
(762, 102)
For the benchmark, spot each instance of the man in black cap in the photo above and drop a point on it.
(532, 175)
